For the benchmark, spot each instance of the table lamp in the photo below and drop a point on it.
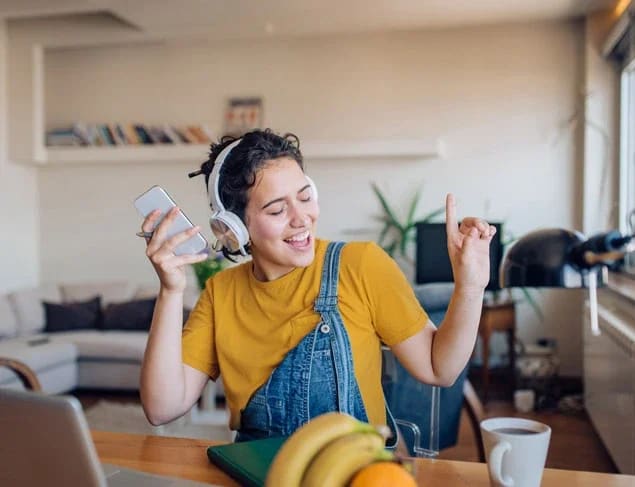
(560, 258)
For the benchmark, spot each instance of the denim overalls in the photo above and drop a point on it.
(315, 377)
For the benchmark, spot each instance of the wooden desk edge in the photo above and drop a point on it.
(187, 458)
(163, 455)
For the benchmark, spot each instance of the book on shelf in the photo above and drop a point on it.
(96, 137)
(199, 134)
(158, 135)
(131, 134)
(142, 134)
(118, 134)
(179, 132)
(80, 129)
(106, 135)
(188, 135)
(64, 137)
(172, 134)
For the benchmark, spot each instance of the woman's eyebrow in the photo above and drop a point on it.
(278, 200)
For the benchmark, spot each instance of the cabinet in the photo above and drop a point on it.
(609, 377)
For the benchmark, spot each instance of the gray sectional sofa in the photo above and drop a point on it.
(78, 358)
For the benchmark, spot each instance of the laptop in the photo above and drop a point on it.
(45, 440)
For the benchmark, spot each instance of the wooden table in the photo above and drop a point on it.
(187, 458)
(495, 318)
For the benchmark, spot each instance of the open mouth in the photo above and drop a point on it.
(300, 241)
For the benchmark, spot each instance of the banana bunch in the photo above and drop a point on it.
(326, 452)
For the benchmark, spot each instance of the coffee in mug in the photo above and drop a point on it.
(514, 431)
(516, 450)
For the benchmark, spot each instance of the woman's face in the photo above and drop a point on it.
(281, 217)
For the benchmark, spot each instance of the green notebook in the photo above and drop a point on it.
(247, 461)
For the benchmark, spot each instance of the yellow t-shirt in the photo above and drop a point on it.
(242, 328)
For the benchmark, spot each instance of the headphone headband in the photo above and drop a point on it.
(226, 226)
(212, 184)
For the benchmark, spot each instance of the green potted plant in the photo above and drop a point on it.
(395, 234)
(207, 268)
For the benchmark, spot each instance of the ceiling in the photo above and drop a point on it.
(232, 19)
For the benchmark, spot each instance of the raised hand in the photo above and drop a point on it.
(160, 250)
(468, 248)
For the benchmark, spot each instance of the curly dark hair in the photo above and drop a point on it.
(238, 173)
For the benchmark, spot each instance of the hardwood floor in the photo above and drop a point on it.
(574, 443)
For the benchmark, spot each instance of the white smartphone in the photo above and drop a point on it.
(156, 198)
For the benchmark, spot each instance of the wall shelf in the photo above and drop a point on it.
(344, 149)
(412, 149)
(123, 154)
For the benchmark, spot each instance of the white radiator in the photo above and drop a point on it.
(609, 377)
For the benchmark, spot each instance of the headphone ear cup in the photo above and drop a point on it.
(314, 190)
(230, 231)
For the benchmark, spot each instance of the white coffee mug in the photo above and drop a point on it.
(516, 450)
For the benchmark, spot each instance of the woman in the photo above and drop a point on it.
(297, 330)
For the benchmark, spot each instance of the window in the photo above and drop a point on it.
(627, 157)
(627, 145)
(620, 47)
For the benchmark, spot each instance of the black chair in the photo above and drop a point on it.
(429, 417)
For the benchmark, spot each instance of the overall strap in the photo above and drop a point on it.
(327, 297)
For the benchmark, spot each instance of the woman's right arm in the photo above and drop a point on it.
(169, 388)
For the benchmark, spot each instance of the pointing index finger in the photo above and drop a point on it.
(451, 227)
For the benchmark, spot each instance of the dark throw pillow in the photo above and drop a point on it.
(129, 315)
(76, 315)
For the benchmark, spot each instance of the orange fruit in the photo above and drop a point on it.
(383, 474)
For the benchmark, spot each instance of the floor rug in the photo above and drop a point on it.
(129, 418)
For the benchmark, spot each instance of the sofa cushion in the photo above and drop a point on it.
(37, 352)
(106, 345)
(27, 304)
(76, 315)
(110, 292)
(190, 295)
(129, 315)
(8, 320)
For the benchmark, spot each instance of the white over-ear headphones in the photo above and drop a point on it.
(226, 226)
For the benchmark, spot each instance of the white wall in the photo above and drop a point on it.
(19, 234)
(498, 96)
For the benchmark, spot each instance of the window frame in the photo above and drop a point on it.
(627, 157)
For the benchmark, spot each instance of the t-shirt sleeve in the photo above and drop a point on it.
(198, 347)
(395, 311)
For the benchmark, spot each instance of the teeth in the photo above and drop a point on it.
(299, 238)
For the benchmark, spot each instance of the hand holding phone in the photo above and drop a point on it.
(156, 198)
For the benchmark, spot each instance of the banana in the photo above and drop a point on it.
(296, 453)
(338, 461)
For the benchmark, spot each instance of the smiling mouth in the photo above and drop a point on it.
(300, 241)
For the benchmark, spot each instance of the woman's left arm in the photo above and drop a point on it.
(438, 356)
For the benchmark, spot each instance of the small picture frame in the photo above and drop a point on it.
(243, 115)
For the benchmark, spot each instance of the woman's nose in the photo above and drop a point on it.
(299, 218)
